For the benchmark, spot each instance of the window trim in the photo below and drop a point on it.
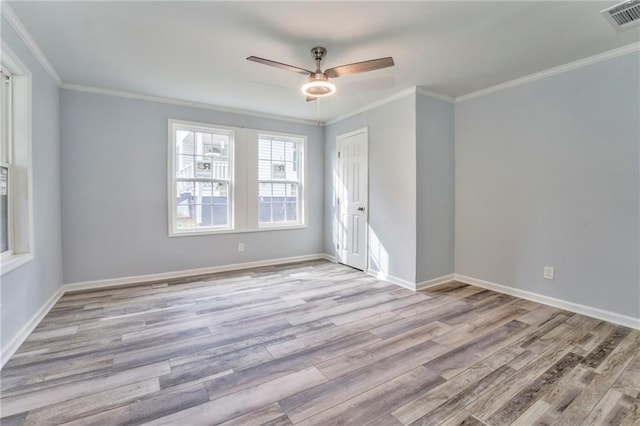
(22, 249)
(244, 199)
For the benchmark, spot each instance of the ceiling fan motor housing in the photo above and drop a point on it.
(318, 85)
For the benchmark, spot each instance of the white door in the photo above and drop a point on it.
(351, 189)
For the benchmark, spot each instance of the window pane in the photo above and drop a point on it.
(289, 149)
(278, 160)
(278, 202)
(184, 190)
(203, 159)
(292, 171)
(277, 151)
(185, 166)
(203, 192)
(4, 209)
(264, 169)
(220, 168)
(201, 205)
(292, 212)
(185, 142)
(264, 202)
(292, 202)
(278, 205)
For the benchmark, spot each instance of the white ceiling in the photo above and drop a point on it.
(195, 51)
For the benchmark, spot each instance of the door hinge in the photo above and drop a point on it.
(337, 246)
(338, 154)
(338, 200)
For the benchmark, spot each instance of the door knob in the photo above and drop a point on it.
(360, 209)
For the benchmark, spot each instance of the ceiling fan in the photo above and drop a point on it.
(318, 84)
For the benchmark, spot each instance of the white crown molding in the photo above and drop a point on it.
(31, 44)
(401, 94)
(368, 107)
(14, 344)
(424, 92)
(600, 57)
(601, 314)
(178, 102)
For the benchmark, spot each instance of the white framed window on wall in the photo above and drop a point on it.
(201, 173)
(226, 179)
(280, 180)
(16, 202)
(6, 216)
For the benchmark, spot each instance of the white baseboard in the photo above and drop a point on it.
(114, 282)
(408, 284)
(330, 258)
(551, 301)
(393, 280)
(434, 282)
(21, 336)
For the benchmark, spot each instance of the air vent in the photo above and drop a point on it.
(624, 15)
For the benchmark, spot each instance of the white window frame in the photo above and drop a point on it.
(301, 141)
(20, 163)
(175, 125)
(244, 206)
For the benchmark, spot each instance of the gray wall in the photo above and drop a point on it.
(547, 174)
(114, 192)
(392, 184)
(25, 290)
(435, 188)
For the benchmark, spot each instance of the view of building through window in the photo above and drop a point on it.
(224, 179)
(203, 178)
(279, 179)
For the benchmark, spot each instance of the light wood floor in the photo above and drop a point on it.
(318, 343)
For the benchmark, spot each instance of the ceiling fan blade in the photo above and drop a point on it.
(358, 67)
(311, 98)
(279, 65)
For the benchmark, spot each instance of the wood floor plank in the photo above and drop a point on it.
(317, 343)
(306, 404)
(356, 359)
(40, 398)
(258, 417)
(146, 409)
(606, 374)
(91, 404)
(236, 404)
(377, 402)
(442, 401)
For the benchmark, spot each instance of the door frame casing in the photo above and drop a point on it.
(336, 207)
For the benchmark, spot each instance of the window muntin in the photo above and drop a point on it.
(279, 181)
(202, 179)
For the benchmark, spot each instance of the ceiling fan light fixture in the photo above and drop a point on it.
(318, 88)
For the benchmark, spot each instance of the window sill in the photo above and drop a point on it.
(15, 261)
(236, 231)
(280, 227)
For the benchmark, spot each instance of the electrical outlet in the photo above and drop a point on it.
(240, 247)
(549, 273)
